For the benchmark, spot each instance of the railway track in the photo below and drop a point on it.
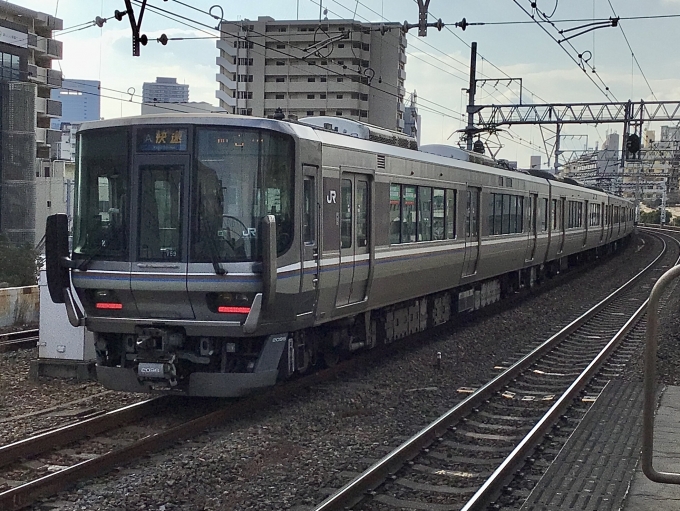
(467, 458)
(13, 341)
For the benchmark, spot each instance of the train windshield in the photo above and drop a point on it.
(101, 217)
(240, 175)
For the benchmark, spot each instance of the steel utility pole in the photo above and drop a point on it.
(471, 96)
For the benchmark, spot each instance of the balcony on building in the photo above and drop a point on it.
(229, 84)
(48, 107)
(46, 136)
(226, 64)
(227, 47)
(225, 98)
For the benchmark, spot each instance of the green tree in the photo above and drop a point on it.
(19, 264)
(654, 217)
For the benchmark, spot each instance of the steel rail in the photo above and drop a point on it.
(377, 473)
(64, 435)
(12, 341)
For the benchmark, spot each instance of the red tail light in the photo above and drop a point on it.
(109, 305)
(233, 309)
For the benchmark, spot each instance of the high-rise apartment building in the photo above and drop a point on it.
(80, 101)
(165, 90)
(27, 50)
(307, 68)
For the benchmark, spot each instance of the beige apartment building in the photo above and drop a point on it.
(307, 68)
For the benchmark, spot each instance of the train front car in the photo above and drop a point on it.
(177, 228)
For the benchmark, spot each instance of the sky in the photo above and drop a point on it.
(510, 44)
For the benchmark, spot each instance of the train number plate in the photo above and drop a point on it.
(150, 370)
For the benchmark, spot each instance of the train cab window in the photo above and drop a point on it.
(438, 214)
(395, 213)
(362, 212)
(308, 210)
(408, 212)
(424, 213)
(160, 212)
(102, 216)
(346, 214)
(450, 214)
(240, 175)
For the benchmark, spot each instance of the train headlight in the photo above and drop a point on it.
(230, 303)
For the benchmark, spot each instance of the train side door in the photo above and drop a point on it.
(585, 218)
(354, 239)
(159, 270)
(562, 223)
(309, 235)
(532, 214)
(472, 238)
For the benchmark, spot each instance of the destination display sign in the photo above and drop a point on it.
(168, 139)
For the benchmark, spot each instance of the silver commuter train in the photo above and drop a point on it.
(214, 255)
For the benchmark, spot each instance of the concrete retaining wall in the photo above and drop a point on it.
(19, 306)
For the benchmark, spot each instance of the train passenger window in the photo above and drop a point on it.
(513, 214)
(346, 214)
(395, 214)
(308, 210)
(544, 215)
(505, 228)
(362, 213)
(471, 224)
(438, 214)
(424, 213)
(450, 214)
(498, 213)
(554, 214)
(408, 211)
(519, 218)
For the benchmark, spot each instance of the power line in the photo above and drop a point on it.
(581, 65)
(632, 53)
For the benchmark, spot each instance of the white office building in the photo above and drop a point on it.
(337, 68)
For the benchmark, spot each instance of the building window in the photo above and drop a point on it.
(341, 45)
(338, 96)
(311, 62)
(339, 79)
(245, 94)
(365, 46)
(280, 46)
(279, 96)
(310, 112)
(310, 96)
(280, 63)
(322, 96)
(363, 113)
(280, 79)
(324, 62)
(311, 79)
(323, 78)
(9, 67)
(322, 112)
(246, 111)
(245, 62)
(355, 113)
(338, 113)
(341, 62)
(49, 203)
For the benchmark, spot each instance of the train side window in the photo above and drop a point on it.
(438, 215)
(346, 214)
(424, 213)
(362, 213)
(544, 216)
(498, 213)
(395, 213)
(554, 214)
(512, 228)
(308, 210)
(471, 225)
(408, 211)
(520, 214)
(450, 217)
(505, 228)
